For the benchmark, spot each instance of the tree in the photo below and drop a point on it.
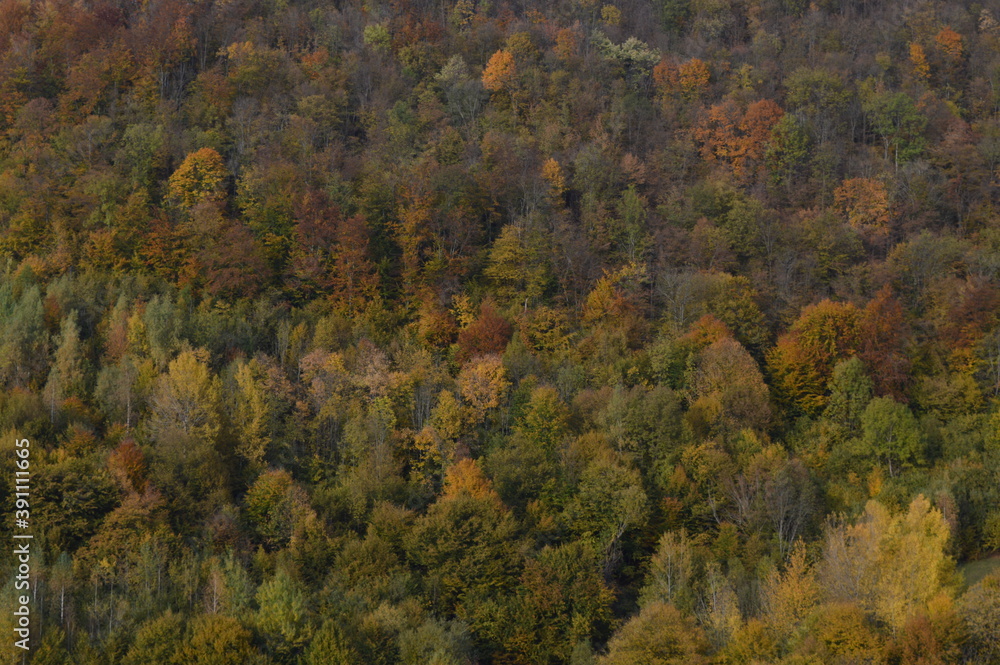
(850, 393)
(790, 596)
(896, 121)
(217, 640)
(658, 635)
(865, 204)
(254, 414)
(892, 434)
(545, 421)
(483, 382)
(884, 334)
(23, 337)
(277, 508)
(802, 362)
(979, 608)
(200, 177)
(464, 546)
(487, 335)
(500, 72)
(518, 265)
(67, 378)
(186, 400)
(727, 381)
(283, 617)
(819, 99)
(671, 577)
(185, 423)
(156, 641)
(737, 137)
(560, 602)
(329, 646)
(609, 502)
(890, 565)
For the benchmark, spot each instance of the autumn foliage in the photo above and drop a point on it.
(502, 333)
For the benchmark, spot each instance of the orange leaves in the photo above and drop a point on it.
(921, 67)
(689, 79)
(567, 44)
(465, 477)
(413, 234)
(331, 253)
(738, 138)
(128, 466)
(883, 333)
(802, 362)
(950, 43)
(865, 204)
(500, 72)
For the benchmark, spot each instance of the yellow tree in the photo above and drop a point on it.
(483, 382)
(200, 177)
(659, 635)
(890, 565)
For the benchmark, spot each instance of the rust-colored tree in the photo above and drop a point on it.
(488, 334)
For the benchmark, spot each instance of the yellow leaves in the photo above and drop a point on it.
(609, 296)
(252, 416)
(500, 71)
(483, 382)
(892, 566)
(463, 310)
(790, 596)
(436, 443)
(692, 77)
(199, 177)
(611, 15)
(552, 173)
(186, 400)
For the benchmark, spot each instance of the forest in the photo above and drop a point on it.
(498, 332)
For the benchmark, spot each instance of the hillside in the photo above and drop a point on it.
(507, 333)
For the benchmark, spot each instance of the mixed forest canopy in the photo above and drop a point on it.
(519, 333)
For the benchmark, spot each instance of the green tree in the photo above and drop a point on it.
(23, 337)
(68, 375)
(896, 120)
(283, 617)
(157, 641)
(465, 544)
(329, 646)
(892, 435)
(850, 393)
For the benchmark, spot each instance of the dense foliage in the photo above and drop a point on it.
(656, 331)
